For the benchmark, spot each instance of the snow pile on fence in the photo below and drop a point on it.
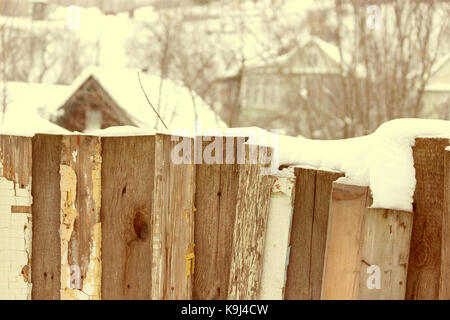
(382, 160)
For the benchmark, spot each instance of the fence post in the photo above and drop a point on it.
(444, 288)
(46, 266)
(252, 208)
(309, 233)
(276, 249)
(80, 227)
(343, 249)
(426, 241)
(173, 263)
(384, 254)
(128, 165)
(215, 203)
(15, 217)
(367, 249)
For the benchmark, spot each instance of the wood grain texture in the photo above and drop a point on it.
(299, 268)
(425, 256)
(252, 208)
(215, 203)
(324, 182)
(444, 287)
(173, 262)
(45, 266)
(126, 216)
(80, 218)
(386, 244)
(309, 233)
(344, 239)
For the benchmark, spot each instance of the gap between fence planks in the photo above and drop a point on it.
(427, 237)
(308, 233)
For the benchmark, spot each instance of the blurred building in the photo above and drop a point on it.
(105, 97)
(436, 98)
(308, 76)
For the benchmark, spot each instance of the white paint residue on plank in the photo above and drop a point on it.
(276, 249)
(15, 240)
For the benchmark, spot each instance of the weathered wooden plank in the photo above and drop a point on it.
(276, 248)
(384, 254)
(215, 203)
(425, 256)
(299, 268)
(128, 175)
(45, 266)
(15, 225)
(444, 287)
(344, 242)
(80, 231)
(173, 256)
(323, 185)
(252, 209)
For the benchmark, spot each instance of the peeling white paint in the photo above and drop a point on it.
(276, 251)
(15, 240)
(74, 156)
(91, 284)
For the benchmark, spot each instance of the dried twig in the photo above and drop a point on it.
(142, 87)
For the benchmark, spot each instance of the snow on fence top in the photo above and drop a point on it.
(382, 160)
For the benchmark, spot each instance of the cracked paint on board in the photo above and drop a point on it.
(15, 238)
(90, 282)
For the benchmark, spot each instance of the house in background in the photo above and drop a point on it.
(105, 97)
(436, 98)
(270, 88)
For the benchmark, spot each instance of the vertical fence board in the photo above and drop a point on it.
(126, 215)
(444, 288)
(80, 174)
(309, 232)
(173, 223)
(215, 202)
(297, 284)
(425, 256)
(45, 266)
(252, 208)
(15, 217)
(323, 185)
(343, 249)
(386, 244)
(276, 251)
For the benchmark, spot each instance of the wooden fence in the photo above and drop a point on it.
(84, 217)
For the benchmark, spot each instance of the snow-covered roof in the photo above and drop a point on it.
(330, 50)
(438, 87)
(177, 105)
(29, 106)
